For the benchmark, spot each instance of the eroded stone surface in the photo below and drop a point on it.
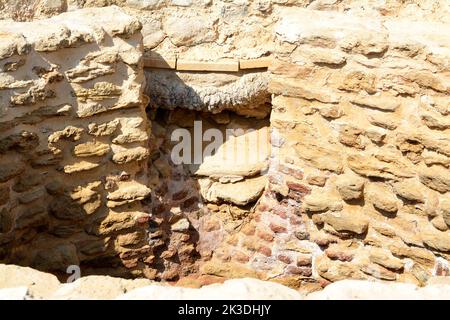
(354, 184)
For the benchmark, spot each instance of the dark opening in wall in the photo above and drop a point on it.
(199, 201)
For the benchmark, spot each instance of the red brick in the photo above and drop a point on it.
(211, 225)
(295, 220)
(262, 208)
(130, 263)
(280, 211)
(284, 258)
(179, 195)
(294, 186)
(303, 271)
(304, 260)
(340, 255)
(277, 228)
(264, 235)
(241, 257)
(265, 251)
(296, 173)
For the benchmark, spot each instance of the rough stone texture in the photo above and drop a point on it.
(74, 75)
(356, 182)
(28, 284)
(381, 212)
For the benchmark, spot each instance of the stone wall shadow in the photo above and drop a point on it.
(174, 103)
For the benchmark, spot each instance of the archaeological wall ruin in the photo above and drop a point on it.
(350, 105)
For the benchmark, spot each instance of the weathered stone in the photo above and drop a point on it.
(130, 155)
(325, 56)
(104, 129)
(339, 253)
(116, 222)
(128, 192)
(420, 255)
(188, 31)
(351, 137)
(4, 195)
(382, 103)
(374, 167)
(84, 194)
(80, 166)
(331, 111)
(420, 273)
(384, 258)
(21, 142)
(180, 226)
(89, 149)
(319, 202)
(381, 197)
(379, 272)
(131, 135)
(435, 121)
(92, 247)
(64, 231)
(425, 79)
(445, 210)
(13, 44)
(357, 81)
(376, 135)
(26, 181)
(34, 216)
(10, 170)
(410, 189)
(64, 208)
(316, 180)
(350, 187)
(227, 269)
(6, 220)
(335, 270)
(163, 167)
(439, 223)
(436, 178)
(240, 193)
(383, 121)
(30, 196)
(100, 91)
(56, 257)
(345, 221)
(70, 132)
(435, 239)
(297, 89)
(39, 284)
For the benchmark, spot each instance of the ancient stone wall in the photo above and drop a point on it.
(361, 115)
(74, 143)
(354, 182)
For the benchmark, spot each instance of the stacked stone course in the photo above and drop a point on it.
(74, 143)
(356, 183)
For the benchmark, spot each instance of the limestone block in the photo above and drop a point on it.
(381, 197)
(350, 186)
